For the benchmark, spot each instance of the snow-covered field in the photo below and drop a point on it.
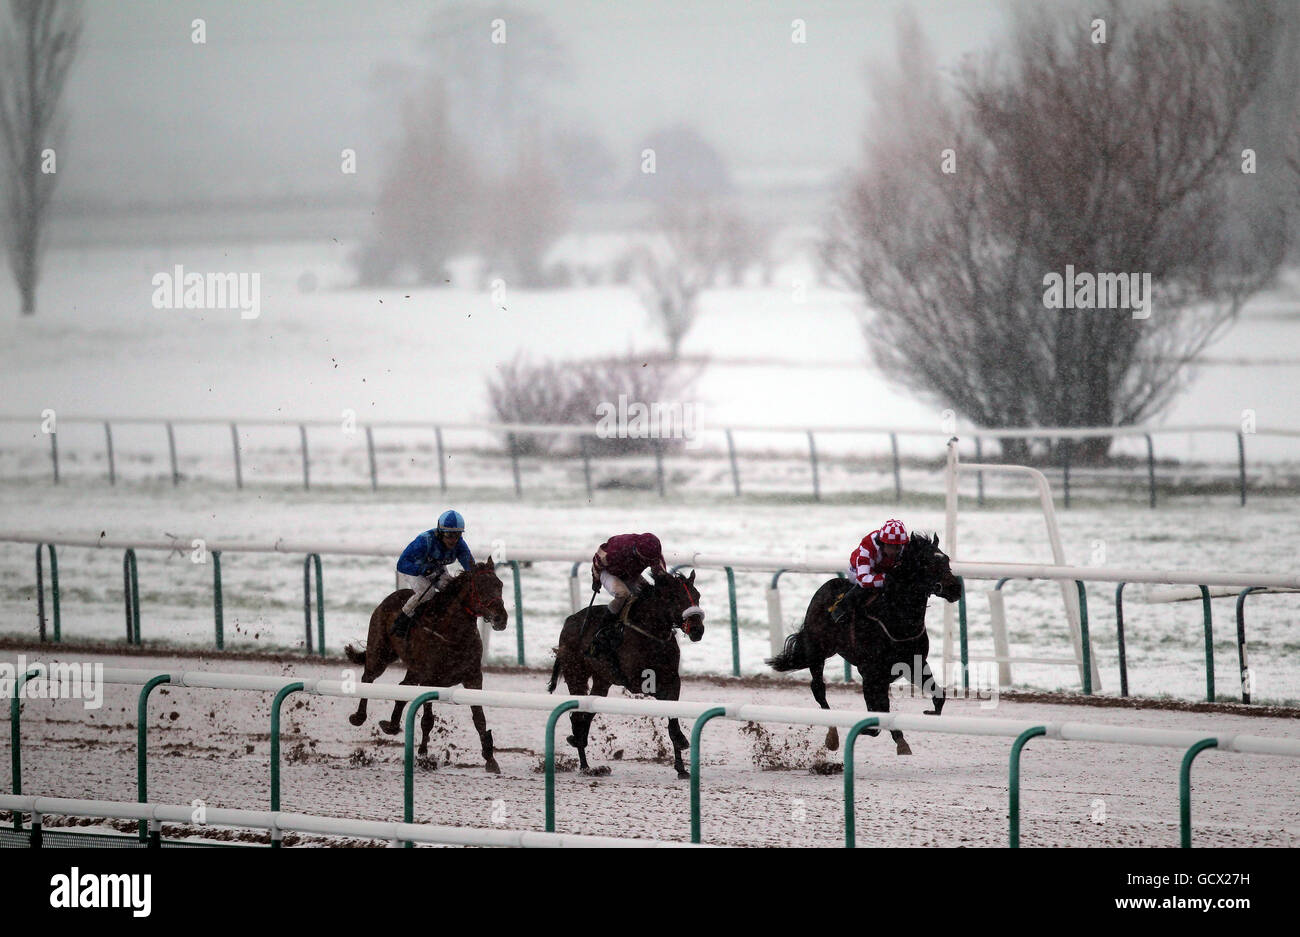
(756, 785)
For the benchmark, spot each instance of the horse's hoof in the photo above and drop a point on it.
(683, 775)
(832, 739)
(491, 766)
(422, 750)
(599, 771)
(356, 719)
(904, 748)
(390, 728)
(573, 740)
(932, 712)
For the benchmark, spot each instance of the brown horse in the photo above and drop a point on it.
(884, 642)
(648, 658)
(443, 647)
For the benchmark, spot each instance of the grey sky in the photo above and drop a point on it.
(281, 87)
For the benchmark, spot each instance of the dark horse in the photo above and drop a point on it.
(889, 633)
(443, 647)
(647, 658)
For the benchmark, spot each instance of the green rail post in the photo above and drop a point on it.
(1119, 635)
(217, 606)
(898, 478)
(320, 601)
(234, 444)
(54, 590)
(171, 452)
(1151, 468)
(696, 729)
(54, 455)
(108, 448)
(276, 703)
(408, 793)
(731, 455)
(131, 594)
(1013, 785)
(850, 833)
(1085, 644)
(1241, 465)
(1209, 644)
(1185, 788)
(16, 740)
(306, 472)
(961, 631)
(370, 455)
(550, 759)
(442, 461)
(812, 458)
(735, 622)
(519, 611)
(141, 745)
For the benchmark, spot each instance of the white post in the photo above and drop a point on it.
(998, 617)
(775, 627)
(949, 546)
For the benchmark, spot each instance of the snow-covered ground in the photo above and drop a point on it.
(756, 786)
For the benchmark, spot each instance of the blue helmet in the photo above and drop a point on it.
(451, 520)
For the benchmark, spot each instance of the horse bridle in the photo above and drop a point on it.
(935, 587)
(688, 612)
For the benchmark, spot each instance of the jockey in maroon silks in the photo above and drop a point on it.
(876, 556)
(618, 564)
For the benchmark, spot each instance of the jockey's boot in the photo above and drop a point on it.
(402, 624)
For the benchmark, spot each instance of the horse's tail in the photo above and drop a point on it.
(793, 657)
(354, 655)
(555, 673)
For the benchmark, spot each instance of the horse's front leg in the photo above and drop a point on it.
(394, 725)
(816, 666)
(599, 687)
(426, 726)
(927, 684)
(876, 694)
(490, 765)
(671, 690)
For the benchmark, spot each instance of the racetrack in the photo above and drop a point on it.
(757, 788)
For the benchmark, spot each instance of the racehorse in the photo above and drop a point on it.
(443, 647)
(885, 641)
(647, 659)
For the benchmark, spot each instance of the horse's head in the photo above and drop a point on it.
(683, 599)
(930, 567)
(482, 596)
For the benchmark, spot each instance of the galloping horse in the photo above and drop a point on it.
(443, 647)
(647, 659)
(885, 641)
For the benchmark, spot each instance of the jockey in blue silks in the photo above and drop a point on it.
(422, 566)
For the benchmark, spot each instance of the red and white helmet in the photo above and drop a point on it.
(893, 531)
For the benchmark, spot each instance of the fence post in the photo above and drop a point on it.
(306, 474)
(812, 457)
(16, 740)
(1119, 632)
(1084, 642)
(408, 790)
(735, 471)
(696, 729)
(898, 478)
(171, 454)
(370, 453)
(108, 447)
(1013, 783)
(850, 820)
(514, 464)
(1241, 465)
(1151, 468)
(574, 601)
(142, 743)
(659, 464)
(1065, 466)
(54, 455)
(217, 600)
(1185, 788)
(275, 746)
(54, 591)
(1209, 645)
(234, 442)
(131, 596)
(519, 610)
(320, 601)
(979, 476)
(735, 623)
(550, 759)
(442, 461)
(1241, 641)
(586, 464)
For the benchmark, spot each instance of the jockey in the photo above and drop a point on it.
(618, 564)
(875, 557)
(422, 566)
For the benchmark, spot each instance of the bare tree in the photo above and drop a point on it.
(1112, 157)
(37, 48)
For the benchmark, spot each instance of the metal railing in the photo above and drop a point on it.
(1192, 742)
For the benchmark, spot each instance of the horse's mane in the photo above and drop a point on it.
(442, 598)
(919, 549)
